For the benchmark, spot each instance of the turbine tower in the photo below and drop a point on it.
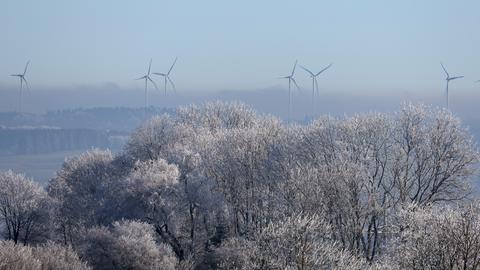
(147, 78)
(22, 80)
(290, 80)
(315, 83)
(448, 79)
(166, 76)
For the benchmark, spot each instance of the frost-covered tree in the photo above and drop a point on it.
(242, 163)
(150, 194)
(17, 257)
(54, 256)
(219, 185)
(47, 256)
(297, 242)
(360, 169)
(81, 190)
(182, 139)
(24, 208)
(437, 237)
(217, 116)
(127, 245)
(433, 156)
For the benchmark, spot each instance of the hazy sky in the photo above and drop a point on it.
(377, 45)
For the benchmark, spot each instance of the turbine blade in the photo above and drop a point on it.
(444, 69)
(16, 75)
(457, 77)
(27, 85)
(26, 66)
(307, 70)
(149, 66)
(26, 82)
(327, 67)
(170, 70)
(144, 77)
(295, 82)
(154, 84)
(294, 66)
(159, 74)
(171, 82)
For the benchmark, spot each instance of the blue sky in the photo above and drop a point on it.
(374, 45)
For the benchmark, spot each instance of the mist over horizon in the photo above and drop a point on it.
(270, 100)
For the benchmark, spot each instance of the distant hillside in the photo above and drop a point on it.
(69, 130)
(36, 140)
(106, 119)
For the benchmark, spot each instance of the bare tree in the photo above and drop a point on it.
(24, 207)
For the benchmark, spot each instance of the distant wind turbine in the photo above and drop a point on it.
(448, 79)
(147, 78)
(22, 80)
(166, 76)
(315, 83)
(290, 80)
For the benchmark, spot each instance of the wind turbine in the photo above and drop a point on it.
(22, 80)
(315, 83)
(147, 78)
(448, 79)
(166, 76)
(290, 80)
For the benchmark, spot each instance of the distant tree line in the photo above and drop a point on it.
(221, 187)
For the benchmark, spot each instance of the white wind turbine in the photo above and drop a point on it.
(147, 78)
(448, 79)
(315, 83)
(290, 80)
(22, 80)
(166, 76)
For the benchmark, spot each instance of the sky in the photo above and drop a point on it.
(374, 45)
